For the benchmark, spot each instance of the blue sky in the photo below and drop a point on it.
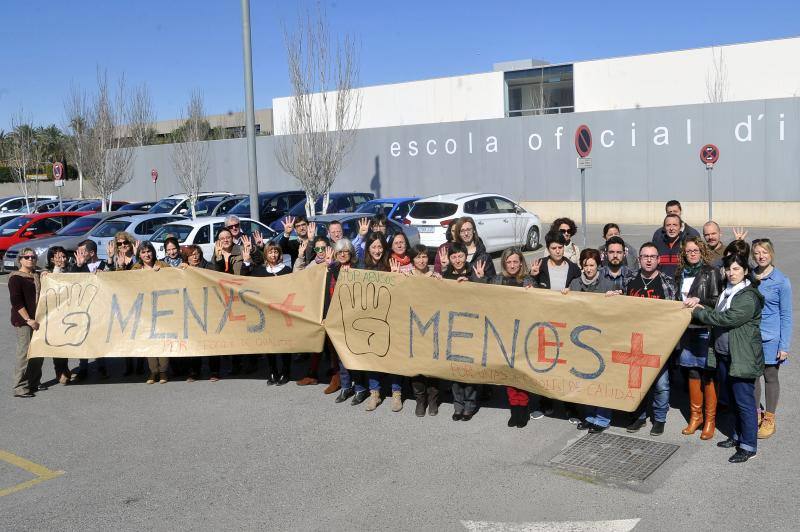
(179, 45)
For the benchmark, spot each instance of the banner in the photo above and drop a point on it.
(583, 348)
(174, 312)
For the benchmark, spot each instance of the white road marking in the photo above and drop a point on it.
(618, 525)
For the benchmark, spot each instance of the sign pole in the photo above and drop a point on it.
(583, 205)
(709, 155)
(709, 170)
(583, 145)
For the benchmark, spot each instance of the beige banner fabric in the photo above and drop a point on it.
(583, 348)
(175, 312)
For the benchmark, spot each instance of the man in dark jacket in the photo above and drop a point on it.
(300, 226)
(86, 259)
(674, 207)
(668, 242)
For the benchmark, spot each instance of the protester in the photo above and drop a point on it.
(467, 235)
(301, 228)
(400, 259)
(673, 208)
(234, 227)
(776, 328)
(450, 237)
(668, 245)
(23, 290)
(193, 257)
(376, 257)
(86, 261)
(737, 354)
(227, 255)
(378, 224)
(589, 280)
(420, 263)
(513, 272)
(146, 260)
(611, 230)
(696, 278)
(614, 271)
(568, 229)
(713, 237)
(172, 252)
(121, 251)
(650, 283)
(57, 263)
(319, 245)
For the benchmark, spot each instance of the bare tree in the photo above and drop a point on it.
(324, 111)
(24, 154)
(190, 152)
(717, 79)
(109, 159)
(141, 116)
(77, 112)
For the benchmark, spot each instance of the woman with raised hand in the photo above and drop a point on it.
(513, 272)
(695, 277)
(450, 237)
(738, 353)
(23, 291)
(122, 251)
(319, 246)
(57, 263)
(376, 257)
(227, 256)
(146, 260)
(776, 328)
(466, 234)
(400, 258)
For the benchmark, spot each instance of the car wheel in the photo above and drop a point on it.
(532, 240)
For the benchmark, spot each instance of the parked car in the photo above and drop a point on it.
(17, 203)
(272, 205)
(392, 208)
(227, 204)
(205, 207)
(8, 216)
(339, 202)
(34, 226)
(143, 206)
(67, 237)
(141, 226)
(350, 225)
(179, 203)
(78, 205)
(203, 232)
(97, 205)
(43, 205)
(500, 222)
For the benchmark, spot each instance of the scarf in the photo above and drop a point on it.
(173, 262)
(692, 271)
(402, 260)
(726, 297)
(588, 282)
(275, 269)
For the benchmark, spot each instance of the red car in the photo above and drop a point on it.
(36, 225)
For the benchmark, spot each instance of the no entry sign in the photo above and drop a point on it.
(709, 154)
(583, 141)
(154, 174)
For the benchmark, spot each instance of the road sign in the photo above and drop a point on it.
(58, 183)
(154, 174)
(584, 163)
(709, 154)
(58, 170)
(583, 141)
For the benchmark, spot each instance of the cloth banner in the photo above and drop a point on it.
(583, 348)
(580, 347)
(175, 312)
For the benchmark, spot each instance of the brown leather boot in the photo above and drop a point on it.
(696, 407)
(334, 385)
(710, 393)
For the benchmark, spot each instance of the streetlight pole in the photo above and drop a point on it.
(252, 167)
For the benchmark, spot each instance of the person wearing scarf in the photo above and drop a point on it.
(399, 259)
(696, 277)
(23, 290)
(172, 252)
(737, 355)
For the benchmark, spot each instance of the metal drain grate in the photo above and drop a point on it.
(614, 457)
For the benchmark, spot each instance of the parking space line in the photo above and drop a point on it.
(39, 471)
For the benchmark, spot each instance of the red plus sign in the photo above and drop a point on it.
(287, 306)
(636, 360)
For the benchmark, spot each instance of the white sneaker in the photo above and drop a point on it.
(537, 414)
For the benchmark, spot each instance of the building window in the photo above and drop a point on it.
(538, 91)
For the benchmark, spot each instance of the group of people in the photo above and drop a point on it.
(740, 332)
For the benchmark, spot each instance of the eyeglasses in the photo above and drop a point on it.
(232, 226)
(301, 224)
(692, 252)
(343, 251)
(29, 257)
(319, 248)
(648, 257)
(125, 243)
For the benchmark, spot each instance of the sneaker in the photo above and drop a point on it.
(574, 420)
(636, 425)
(741, 456)
(658, 428)
(537, 414)
(374, 400)
(151, 379)
(397, 401)
(596, 429)
(163, 379)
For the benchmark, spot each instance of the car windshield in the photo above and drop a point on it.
(179, 231)
(165, 205)
(109, 229)
(242, 208)
(375, 207)
(300, 207)
(78, 227)
(90, 206)
(11, 227)
(433, 210)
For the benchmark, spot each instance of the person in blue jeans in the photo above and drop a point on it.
(651, 283)
(738, 353)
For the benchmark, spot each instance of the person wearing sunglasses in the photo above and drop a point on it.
(567, 227)
(776, 328)
(23, 289)
(313, 257)
(122, 251)
(650, 283)
(234, 226)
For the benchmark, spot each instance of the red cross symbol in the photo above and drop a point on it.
(636, 360)
(286, 307)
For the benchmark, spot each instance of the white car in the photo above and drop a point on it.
(203, 232)
(179, 203)
(500, 222)
(141, 226)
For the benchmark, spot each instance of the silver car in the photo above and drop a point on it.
(141, 226)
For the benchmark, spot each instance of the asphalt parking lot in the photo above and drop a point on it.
(238, 454)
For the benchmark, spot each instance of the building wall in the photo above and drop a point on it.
(228, 120)
(641, 158)
(451, 99)
(759, 70)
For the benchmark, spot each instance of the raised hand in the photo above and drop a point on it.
(67, 318)
(247, 246)
(80, 257)
(301, 250)
(312, 230)
(394, 266)
(365, 311)
(535, 266)
(739, 233)
(329, 255)
(443, 259)
(258, 238)
(363, 227)
(479, 269)
(110, 249)
(136, 244)
(288, 225)
(217, 249)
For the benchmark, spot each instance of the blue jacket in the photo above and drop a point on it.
(776, 316)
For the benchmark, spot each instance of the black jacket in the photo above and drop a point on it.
(543, 279)
(481, 254)
(468, 272)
